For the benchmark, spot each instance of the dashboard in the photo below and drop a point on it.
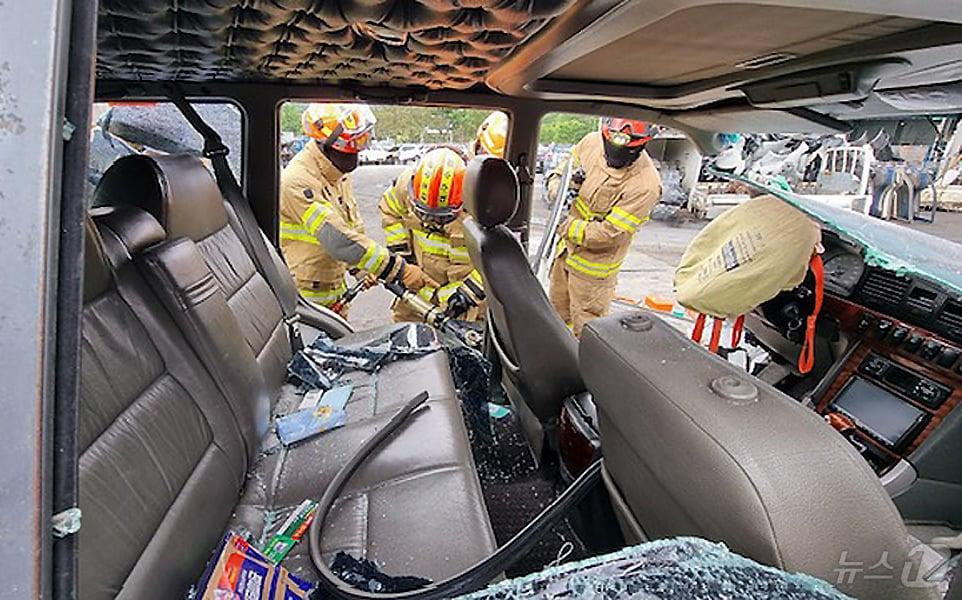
(901, 373)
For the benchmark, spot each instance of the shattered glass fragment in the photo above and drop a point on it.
(674, 569)
(365, 575)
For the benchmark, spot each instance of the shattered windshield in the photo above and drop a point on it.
(884, 244)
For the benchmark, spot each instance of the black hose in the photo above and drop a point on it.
(474, 577)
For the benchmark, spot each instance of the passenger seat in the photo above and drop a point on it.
(695, 447)
(537, 352)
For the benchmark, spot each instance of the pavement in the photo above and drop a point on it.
(648, 270)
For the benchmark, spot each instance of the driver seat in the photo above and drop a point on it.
(537, 352)
(695, 447)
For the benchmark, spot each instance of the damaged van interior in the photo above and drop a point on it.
(161, 344)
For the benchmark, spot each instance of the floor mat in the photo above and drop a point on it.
(516, 491)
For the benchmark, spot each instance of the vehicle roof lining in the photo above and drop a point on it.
(699, 43)
(402, 43)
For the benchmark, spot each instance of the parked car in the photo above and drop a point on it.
(408, 154)
(378, 154)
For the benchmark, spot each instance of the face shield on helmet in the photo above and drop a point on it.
(624, 139)
(436, 187)
(346, 128)
(492, 135)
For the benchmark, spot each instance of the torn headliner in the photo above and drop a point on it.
(434, 44)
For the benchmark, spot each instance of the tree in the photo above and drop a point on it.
(291, 117)
(564, 128)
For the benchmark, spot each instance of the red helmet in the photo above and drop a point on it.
(436, 185)
(628, 133)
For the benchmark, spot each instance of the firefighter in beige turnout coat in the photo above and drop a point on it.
(616, 186)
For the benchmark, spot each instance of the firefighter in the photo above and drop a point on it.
(492, 135)
(322, 235)
(615, 185)
(423, 221)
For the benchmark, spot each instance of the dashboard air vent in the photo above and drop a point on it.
(951, 315)
(922, 300)
(884, 288)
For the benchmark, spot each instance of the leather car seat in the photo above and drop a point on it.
(696, 447)
(537, 351)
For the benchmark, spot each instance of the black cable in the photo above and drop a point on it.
(472, 578)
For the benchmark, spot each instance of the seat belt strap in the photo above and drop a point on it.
(216, 152)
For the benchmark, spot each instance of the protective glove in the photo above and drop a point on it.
(414, 278)
(458, 304)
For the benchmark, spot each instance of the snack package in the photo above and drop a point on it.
(238, 571)
(290, 532)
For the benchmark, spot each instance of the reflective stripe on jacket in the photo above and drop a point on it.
(321, 231)
(610, 207)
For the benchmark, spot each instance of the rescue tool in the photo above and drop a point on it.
(432, 314)
(348, 296)
(541, 261)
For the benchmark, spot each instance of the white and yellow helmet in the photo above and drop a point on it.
(492, 134)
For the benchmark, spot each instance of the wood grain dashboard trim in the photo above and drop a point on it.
(849, 315)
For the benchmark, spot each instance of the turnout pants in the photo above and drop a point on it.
(579, 299)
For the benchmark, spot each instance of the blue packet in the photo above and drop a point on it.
(328, 413)
(307, 423)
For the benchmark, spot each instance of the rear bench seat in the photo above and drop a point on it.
(175, 426)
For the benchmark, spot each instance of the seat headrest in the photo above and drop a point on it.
(490, 190)
(97, 277)
(178, 191)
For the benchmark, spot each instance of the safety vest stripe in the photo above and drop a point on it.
(291, 231)
(624, 214)
(427, 293)
(325, 297)
(393, 202)
(576, 231)
(440, 246)
(459, 254)
(446, 291)
(396, 233)
(314, 216)
(584, 210)
(621, 223)
(373, 258)
(476, 277)
(593, 269)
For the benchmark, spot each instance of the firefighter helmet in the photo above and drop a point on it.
(436, 186)
(627, 133)
(492, 134)
(346, 127)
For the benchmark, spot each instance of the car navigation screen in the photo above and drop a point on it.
(884, 415)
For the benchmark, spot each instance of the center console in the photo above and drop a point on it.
(894, 387)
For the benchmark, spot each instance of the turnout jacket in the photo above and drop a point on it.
(440, 253)
(610, 207)
(322, 234)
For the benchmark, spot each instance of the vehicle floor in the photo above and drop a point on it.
(516, 490)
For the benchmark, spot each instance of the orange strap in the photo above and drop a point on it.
(699, 329)
(716, 330)
(806, 360)
(737, 330)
